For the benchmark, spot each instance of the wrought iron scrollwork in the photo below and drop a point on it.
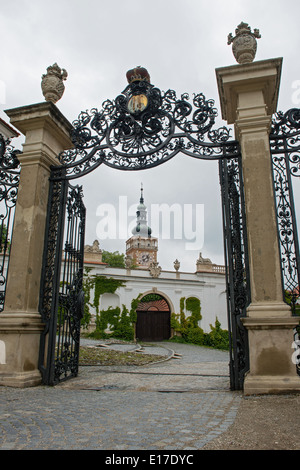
(9, 184)
(285, 152)
(144, 127)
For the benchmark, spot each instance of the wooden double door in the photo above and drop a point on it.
(153, 325)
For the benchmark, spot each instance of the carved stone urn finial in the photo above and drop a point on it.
(176, 265)
(52, 83)
(244, 43)
(128, 262)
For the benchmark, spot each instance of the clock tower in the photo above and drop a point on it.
(141, 247)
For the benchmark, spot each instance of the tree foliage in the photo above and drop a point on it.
(114, 259)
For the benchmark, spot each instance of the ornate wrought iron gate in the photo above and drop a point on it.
(62, 297)
(141, 129)
(285, 151)
(9, 184)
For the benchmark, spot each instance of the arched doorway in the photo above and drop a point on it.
(153, 318)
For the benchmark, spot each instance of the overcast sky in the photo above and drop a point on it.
(181, 43)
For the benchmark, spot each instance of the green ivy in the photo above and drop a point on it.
(134, 304)
(182, 300)
(217, 338)
(289, 300)
(187, 330)
(120, 323)
(151, 297)
(104, 285)
(192, 305)
(175, 321)
(87, 284)
(125, 328)
(101, 285)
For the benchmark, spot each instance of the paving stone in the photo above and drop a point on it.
(180, 404)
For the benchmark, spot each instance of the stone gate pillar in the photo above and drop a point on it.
(248, 95)
(47, 134)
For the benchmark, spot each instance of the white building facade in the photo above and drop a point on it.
(207, 286)
(143, 275)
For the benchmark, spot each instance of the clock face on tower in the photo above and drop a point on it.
(144, 258)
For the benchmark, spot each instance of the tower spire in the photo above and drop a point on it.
(141, 227)
(142, 247)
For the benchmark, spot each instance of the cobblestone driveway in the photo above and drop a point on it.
(180, 404)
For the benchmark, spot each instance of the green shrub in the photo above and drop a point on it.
(175, 322)
(189, 333)
(124, 329)
(120, 324)
(195, 335)
(218, 338)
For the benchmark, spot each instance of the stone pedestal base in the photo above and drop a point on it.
(270, 384)
(271, 348)
(19, 349)
(21, 379)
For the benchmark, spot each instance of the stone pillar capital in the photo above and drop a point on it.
(252, 125)
(249, 89)
(46, 129)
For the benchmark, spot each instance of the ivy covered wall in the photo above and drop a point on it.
(119, 321)
(186, 326)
